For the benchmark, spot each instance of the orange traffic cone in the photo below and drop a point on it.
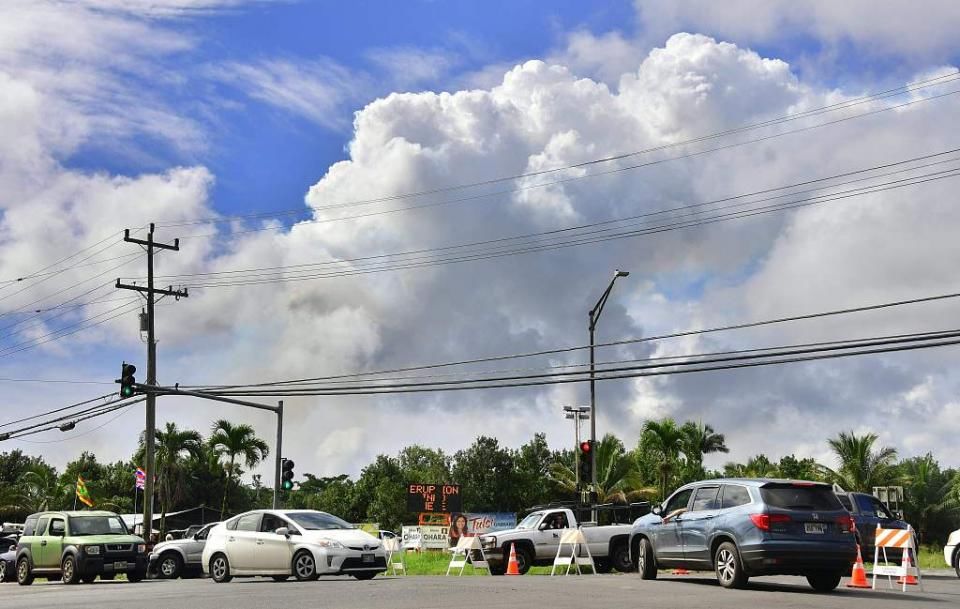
(858, 579)
(513, 567)
(906, 563)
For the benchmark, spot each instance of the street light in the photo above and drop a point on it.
(594, 316)
(576, 414)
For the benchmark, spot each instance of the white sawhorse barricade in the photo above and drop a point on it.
(896, 538)
(464, 553)
(573, 539)
(396, 559)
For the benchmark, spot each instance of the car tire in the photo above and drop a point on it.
(220, 569)
(279, 578)
(136, 576)
(524, 559)
(499, 568)
(69, 571)
(646, 561)
(3, 571)
(728, 567)
(602, 564)
(956, 561)
(107, 577)
(824, 582)
(88, 579)
(620, 557)
(170, 566)
(24, 572)
(304, 566)
(366, 575)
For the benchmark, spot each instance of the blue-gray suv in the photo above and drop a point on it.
(740, 528)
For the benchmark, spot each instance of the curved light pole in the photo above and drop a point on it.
(594, 316)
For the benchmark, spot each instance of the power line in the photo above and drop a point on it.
(84, 433)
(123, 406)
(56, 410)
(784, 357)
(79, 326)
(617, 343)
(65, 381)
(577, 240)
(307, 267)
(910, 87)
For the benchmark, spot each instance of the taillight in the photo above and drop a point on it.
(846, 523)
(765, 521)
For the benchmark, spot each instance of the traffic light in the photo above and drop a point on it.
(286, 474)
(586, 463)
(126, 380)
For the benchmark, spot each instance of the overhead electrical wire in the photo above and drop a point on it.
(783, 355)
(695, 219)
(908, 88)
(309, 267)
(112, 408)
(56, 410)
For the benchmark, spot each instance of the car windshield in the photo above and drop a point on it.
(530, 521)
(800, 497)
(97, 525)
(318, 521)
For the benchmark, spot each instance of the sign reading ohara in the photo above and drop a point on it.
(434, 498)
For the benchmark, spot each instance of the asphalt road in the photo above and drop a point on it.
(593, 592)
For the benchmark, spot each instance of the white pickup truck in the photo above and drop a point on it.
(537, 538)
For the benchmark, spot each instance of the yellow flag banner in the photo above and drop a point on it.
(83, 494)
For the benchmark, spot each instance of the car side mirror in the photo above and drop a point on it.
(283, 531)
(656, 510)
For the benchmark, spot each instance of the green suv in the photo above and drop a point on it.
(79, 546)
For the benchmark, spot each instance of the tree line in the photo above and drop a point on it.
(194, 470)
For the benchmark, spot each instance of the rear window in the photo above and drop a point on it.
(792, 497)
(734, 495)
(29, 526)
(845, 502)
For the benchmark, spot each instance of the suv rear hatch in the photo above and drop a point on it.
(802, 511)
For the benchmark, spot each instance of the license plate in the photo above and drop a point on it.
(120, 566)
(367, 558)
(815, 528)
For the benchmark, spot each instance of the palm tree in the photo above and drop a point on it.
(40, 489)
(235, 441)
(700, 440)
(664, 439)
(173, 445)
(617, 476)
(755, 467)
(861, 468)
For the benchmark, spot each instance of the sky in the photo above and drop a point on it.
(303, 126)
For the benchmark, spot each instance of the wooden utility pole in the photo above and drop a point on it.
(151, 423)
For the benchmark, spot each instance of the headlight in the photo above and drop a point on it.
(329, 543)
(141, 548)
(488, 540)
(92, 550)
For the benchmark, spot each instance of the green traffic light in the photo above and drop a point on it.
(288, 485)
(128, 391)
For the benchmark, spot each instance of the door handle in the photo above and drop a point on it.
(231, 539)
(259, 543)
(43, 542)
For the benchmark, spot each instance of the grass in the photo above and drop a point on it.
(435, 563)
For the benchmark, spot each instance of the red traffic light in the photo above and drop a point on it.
(585, 446)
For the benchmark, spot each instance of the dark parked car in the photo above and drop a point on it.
(8, 559)
(868, 512)
(740, 528)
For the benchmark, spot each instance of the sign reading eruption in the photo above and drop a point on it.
(434, 498)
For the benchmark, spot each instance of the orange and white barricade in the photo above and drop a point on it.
(905, 541)
(468, 551)
(395, 555)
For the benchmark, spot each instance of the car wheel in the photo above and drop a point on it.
(88, 579)
(524, 559)
(304, 566)
(646, 561)
(499, 568)
(824, 582)
(280, 578)
(620, 558)
(170, 566)
(729, 569)
(366, 575)
(24, 572)
(107, 577)
(956, 561)
(3, 571)
(220, 569)
(136, 576)
(69, 570)
(602, 564)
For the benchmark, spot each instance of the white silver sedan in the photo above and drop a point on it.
(951, 551)
(279, 543)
